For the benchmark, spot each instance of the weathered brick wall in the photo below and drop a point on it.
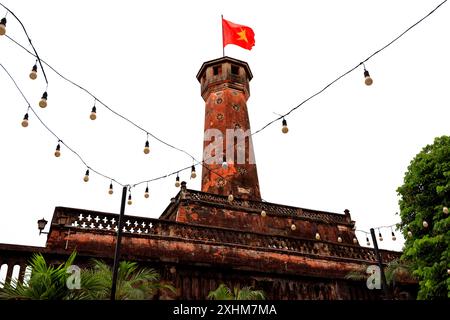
(270, 224)
(196, 259)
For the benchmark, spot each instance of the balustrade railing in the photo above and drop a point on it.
(271, 208)
(148, 227)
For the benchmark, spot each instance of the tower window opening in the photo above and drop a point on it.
(235, 70)
(217, 70)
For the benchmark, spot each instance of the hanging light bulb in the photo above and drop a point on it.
(317, 236)
(111, 191)
(130, 202)
(230, 197)
(409, 233)
(93, 115)
(445, 210)
(355, 241)
(33, 73)
(263, 213)
(224, 163)
(367, 79)
(25, 120)
(339, 239)
(3, 26)
(425, 224)
(367, 241)
(284, 127)
(380, 237)
(293, 227)
(147, 147)
(43, 102)
(177, 181)
(393, 236)
(448, 271)
(193, 173)
(146, 194)
(86, 176)
(58, 151)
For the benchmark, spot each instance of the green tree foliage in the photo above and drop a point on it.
(48, 282)
(423, 196)
(224, 293)
(133, 283)
(396, 270)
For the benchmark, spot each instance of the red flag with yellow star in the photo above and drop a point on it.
(237, 34)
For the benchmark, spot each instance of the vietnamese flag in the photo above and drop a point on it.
(237, 34)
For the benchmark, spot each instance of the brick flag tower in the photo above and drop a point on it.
(225, 89)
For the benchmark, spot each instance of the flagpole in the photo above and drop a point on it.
(223, 47)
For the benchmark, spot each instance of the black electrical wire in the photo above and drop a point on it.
(29, 40)
(350, 70)
(52, 132)
(104, 104)
(181, 150)
(81, 158)
(377, 228)
(123, 117)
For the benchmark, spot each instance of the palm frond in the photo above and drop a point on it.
(49, 282)
(358, 274)
(247, 293)
(221, 293)
(396, 269)
(46, 281)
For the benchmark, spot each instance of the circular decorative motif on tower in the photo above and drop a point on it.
(237, 126)
(241, 170)
(220, 182)
(219, 100)
(220, 116)
(236, 107)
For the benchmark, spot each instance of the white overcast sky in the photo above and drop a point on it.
(347, 148)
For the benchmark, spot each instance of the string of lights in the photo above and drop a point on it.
(58, 148)
(93, 116)
(368, 81)
(146, 148)
(3, 31)
(380, 236)
(393, 236)
(425, 225)
(89, 168)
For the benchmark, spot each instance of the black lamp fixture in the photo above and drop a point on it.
(41, 225)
